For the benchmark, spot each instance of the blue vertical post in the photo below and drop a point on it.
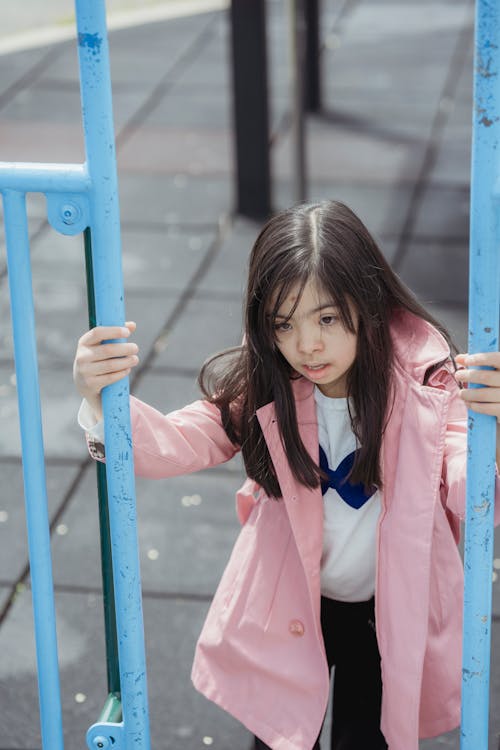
(484, 303)
(108, 285)
(30, 417)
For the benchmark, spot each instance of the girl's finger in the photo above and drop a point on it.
(86, 370)
(104, 333)
(481, 359)
(480, 377)
(101, 381)
(484, 395)
(109, 366)
(482, 408)
(102, 352)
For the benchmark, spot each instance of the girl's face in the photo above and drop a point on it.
(314, 341)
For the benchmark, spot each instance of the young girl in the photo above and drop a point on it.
(344, 403)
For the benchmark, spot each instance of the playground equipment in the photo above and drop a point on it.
(484, 303)
(83, 198)
(80, 198)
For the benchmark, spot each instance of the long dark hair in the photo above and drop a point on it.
(327, 243)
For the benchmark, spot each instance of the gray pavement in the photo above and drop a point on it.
(393, 141)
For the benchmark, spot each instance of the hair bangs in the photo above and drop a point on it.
(333, 287)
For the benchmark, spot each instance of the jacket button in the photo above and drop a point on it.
(296, 627)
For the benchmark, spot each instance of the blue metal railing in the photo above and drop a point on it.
(484, 305)
(78, 197)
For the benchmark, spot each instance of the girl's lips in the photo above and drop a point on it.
(315, 372)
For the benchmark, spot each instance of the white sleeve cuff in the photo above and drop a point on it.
(87, 422)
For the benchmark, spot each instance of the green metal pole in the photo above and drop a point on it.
(112, 661)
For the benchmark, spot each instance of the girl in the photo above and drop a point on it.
(344, 403)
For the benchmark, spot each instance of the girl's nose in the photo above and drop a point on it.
(309, 341)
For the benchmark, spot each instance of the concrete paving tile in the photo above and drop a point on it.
(214, 46)
(381, 207)
(51, 104)
(13, 537)
(35, 224)
(357, 64)
(60, 403)
(166, 198)
(189, 343)
(4, 595)
(179, 716)
(496, 576)
(128, 69)
(388, 246)
(437, 272)
(164, 150)
(393, 119)
(16, 65)
(453, 164)
(443, 213)
(448, 740)
(386, 83)
(58, 258)
(193, 107)
(383, 22)
(167, 391)
(53, 300)
(161, 37)
(42, 142)
(227, 274)
(331, 152)
(187, 527)
(36, 208)
(208, 73)
(454, 317)
(61, 318)
(152, 259)
(458, 127)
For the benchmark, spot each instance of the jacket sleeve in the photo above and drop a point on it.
(455, 451)
(181, 442)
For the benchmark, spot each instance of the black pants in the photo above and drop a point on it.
(351, 646)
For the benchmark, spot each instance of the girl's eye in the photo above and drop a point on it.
(328, 320)
(282, 327)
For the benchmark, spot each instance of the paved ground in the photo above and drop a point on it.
(393, 142)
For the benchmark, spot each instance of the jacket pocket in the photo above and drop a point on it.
(238, 561)
(258, 561)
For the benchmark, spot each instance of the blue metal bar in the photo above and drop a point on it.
(23, 320)
(108, 284)
(44, 178)
(484, 304)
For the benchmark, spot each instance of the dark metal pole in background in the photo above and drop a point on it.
(297, 63)
(312, 64)
(250, 107)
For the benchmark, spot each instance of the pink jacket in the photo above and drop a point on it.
(260, 655)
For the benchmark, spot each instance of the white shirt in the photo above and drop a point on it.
(349, 537)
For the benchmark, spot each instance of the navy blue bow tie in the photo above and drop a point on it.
(353, 494)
